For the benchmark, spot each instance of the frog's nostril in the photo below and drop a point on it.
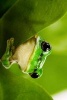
(45, 46)
(34, 75)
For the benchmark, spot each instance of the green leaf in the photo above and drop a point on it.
(5, 5)
(14, 87)
(25, 18)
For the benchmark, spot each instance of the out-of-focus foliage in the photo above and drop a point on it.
(22, 19)
(15, 87)
(54, 77)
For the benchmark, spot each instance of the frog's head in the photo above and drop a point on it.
(41, 51)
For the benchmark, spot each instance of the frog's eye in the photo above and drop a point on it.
(34, 75)
(45, 46)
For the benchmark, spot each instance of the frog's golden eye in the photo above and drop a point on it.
(34, 75)
(45, 46)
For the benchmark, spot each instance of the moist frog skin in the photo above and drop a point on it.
(30, 55)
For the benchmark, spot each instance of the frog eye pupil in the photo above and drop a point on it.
(45, 46)
(34, 75)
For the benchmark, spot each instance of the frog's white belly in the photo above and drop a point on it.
(23, 53)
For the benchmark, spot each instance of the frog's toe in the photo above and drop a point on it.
(8, 43)
(11, 41)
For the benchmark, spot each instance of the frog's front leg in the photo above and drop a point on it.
(6, 58)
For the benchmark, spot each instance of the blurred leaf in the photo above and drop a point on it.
(5, 5)
(54, 78)
(25, 18)
(14, 87)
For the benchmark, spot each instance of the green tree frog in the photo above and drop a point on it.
(30, 55)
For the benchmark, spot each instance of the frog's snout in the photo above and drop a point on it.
(45, 46)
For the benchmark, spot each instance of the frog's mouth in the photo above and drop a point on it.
(23, 53)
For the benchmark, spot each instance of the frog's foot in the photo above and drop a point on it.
(10, 46)
(6, 58)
